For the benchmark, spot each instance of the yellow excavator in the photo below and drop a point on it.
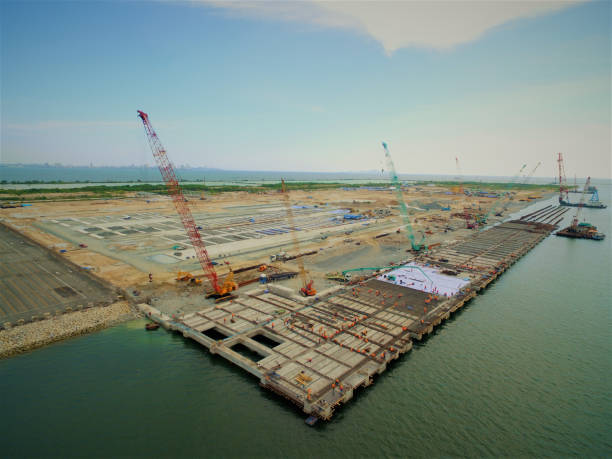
(307, 288)
(185, 276)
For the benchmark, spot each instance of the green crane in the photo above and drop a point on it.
(402, 205)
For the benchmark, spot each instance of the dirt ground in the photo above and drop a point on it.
(335, 253)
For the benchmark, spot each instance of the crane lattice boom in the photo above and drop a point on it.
(562, 180)
(581, 203)
(483, 219)
(307, 286)
(528, 178)
(400, 199)
(175, 191)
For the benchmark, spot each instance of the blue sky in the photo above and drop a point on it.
(311, 88)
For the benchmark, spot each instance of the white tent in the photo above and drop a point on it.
(425, 279)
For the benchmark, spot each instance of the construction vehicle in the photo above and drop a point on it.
(307, 288)
(281, 256)
(184, 276)
(224, 291)
(220, 291)
(335, 276)
(402, 205)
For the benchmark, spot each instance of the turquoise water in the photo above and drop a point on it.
(524, 370)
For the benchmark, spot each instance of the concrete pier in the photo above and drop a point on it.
(316, 351)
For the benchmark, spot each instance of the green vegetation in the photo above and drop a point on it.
(118, 191)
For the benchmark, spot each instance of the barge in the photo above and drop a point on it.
(581, 231)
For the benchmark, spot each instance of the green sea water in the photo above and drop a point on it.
(524, 370)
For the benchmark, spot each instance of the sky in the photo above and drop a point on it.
(310, 85)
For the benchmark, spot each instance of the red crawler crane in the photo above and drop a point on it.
(175, 191)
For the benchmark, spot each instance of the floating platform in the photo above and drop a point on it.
(317, 351)
(581, 231)
(586, 205)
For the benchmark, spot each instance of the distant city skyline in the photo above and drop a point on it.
(310, 86)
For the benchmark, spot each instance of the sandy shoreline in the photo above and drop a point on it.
(37, 334)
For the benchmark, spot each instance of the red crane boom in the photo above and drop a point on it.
(175, 191)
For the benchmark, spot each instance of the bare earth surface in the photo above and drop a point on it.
(121, 241)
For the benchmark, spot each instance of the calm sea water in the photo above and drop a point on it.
(119, 175)
(524, 370)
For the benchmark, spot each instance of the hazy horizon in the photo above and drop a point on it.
(310, 85)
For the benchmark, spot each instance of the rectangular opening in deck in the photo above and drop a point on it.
(265, 340)
(247, 353)
(215, 334)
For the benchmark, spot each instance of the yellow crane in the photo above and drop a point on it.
(307, 288)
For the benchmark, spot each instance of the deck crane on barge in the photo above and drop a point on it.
(220, 292)
(563, 188)
(582, 230)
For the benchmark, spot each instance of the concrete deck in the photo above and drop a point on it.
(316, 351)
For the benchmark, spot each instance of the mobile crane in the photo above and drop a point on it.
(220, 291)
(307, 288)
(402, 205)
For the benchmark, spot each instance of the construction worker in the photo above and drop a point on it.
(150, 277)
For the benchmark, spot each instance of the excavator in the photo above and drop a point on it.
(228, 286)
(307, 288)
(185, 276)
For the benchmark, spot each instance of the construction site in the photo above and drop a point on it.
(312, 292)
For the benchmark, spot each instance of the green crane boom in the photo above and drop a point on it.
(499, 200)
(528, 177)
(402, 205)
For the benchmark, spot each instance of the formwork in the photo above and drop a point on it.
(317, 351)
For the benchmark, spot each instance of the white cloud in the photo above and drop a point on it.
(399, 24)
